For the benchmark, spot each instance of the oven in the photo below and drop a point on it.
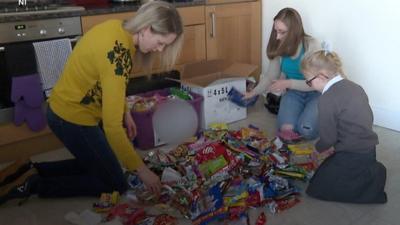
(29, 31)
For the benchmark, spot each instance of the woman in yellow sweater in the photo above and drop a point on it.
(92, 89)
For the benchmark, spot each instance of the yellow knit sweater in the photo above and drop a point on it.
(93, 84)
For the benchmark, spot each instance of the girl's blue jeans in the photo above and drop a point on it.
(300, 109)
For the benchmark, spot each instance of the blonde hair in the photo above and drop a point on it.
(295, 34)
(162, 18)
(323, 60)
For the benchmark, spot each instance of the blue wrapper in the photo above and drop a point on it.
(236, 97)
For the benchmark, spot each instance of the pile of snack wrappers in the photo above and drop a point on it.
(139, 103)
(218, 176)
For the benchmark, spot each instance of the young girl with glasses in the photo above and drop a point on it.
(351, 173)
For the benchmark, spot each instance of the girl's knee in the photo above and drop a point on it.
(286, 126)
(307, 131)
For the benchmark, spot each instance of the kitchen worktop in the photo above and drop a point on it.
(94, 10)
(126, 7)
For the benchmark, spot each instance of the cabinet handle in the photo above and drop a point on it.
(212, 15)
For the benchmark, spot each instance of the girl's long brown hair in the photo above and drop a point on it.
(295, 34)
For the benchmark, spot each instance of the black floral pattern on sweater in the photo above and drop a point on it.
(121, 57)
(93, 95)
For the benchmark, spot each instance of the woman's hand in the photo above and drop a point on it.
(150, 179)
(279, 86)
(130, 126)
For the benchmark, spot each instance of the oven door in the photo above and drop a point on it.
(6, 105)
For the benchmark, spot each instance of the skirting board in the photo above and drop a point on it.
(386, 118)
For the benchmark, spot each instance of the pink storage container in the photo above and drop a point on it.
(144, 120)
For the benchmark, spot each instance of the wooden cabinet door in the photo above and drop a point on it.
(194, 45)
(193, 49)
(90, 21)
(233, 32)
(190, 16)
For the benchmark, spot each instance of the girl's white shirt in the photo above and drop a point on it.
(331, 82)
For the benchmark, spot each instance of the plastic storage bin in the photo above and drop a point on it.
(144, 120)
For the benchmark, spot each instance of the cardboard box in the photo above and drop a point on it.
(213, 79)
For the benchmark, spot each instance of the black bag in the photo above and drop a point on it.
(272, 102)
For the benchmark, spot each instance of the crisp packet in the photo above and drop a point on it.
(107, 201)
(301, 149)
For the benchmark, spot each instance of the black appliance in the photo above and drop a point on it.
(23, 31)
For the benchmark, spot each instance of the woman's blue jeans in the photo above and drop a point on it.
(94, 170)
(300, 109)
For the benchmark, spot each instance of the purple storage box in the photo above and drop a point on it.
(144, 120)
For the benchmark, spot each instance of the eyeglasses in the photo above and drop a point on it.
(309, 81)
(281, 32)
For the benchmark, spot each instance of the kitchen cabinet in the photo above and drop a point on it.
(233, 32)
(90, 21)
(20, 141)
(192, 15)
(226, 29)
(194, 46)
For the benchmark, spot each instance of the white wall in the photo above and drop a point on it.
(365, 34)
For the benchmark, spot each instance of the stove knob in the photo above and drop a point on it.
(43, 32)
(61, 30)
